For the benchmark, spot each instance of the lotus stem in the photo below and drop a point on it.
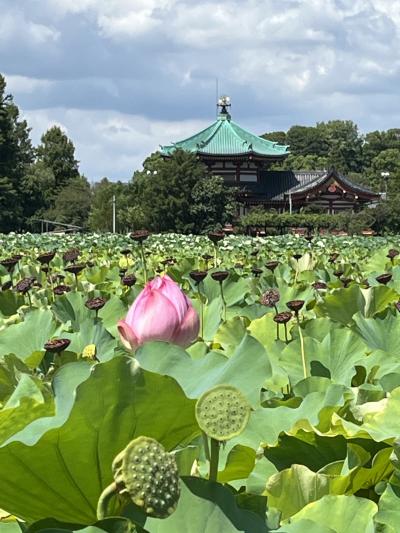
(105, 497)
(214, 460)
(201, 311)
(223, 301)
(143, 262)
(206, 446)
(277, 325)
(29, 299)
(215, 255)
(286, 337)
(303, 354)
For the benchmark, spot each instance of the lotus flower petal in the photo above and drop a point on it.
(154, 318)
(188, 329)
(127, 336)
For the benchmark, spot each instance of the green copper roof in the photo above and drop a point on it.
(225, 137)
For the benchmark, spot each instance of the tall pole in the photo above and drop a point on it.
(113, 213)
(216, 95)
(290, 202)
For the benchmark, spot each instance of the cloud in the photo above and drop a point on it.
(139, 69)
(109, 143)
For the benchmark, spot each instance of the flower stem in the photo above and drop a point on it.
(105, 497)
(29, 299)
(303, 354)
(214, 460)
(143, 262)
(223, 301)
(206, 447)
(201, 311)
(286, 337)
(215, 256)
(277, 325)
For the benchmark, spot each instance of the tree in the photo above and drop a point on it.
(306, 140)
(276, 136)
(378, 141)
(101, 211)
(214, 203)
(38, 190)
(57, 153)
(345, 151)
(387, 161)
(16, 154)
(173, 194)
(305, 162)
(72, 203)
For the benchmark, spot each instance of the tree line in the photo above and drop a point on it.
(178, 194)
(44, 182)
(339, 144)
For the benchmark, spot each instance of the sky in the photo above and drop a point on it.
(122, 77)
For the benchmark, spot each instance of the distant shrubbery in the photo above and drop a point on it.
(384, 219)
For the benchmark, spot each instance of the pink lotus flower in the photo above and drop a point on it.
(161, 312)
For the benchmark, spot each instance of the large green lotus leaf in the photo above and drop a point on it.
(10, 302)
(388, 516)
(70, 308)
(379, 333)
(342, 513)
(341, 304)
(380, 420)
(231, 333)
(235, 289)
(239, 464)
(27, 339)
(258, 477)
(264, 330)
(113, 311)
(307, 448)
(109, 525)
(30, 400)
(10, 527)
(288, 292)
(92, 332)
(246, 369)
(303, 526)
(314, 411)
(335, 356)
(376, 261)
(212, 317)
(66, 459)
(318, 328)
(377, 299)
(291, 361)
(207, 507)
(339, 352)
(293, 488)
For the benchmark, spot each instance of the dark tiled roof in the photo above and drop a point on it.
(274, 184)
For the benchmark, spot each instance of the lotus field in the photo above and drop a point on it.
(181, 384)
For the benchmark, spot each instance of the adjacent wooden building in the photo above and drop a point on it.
(244, 161)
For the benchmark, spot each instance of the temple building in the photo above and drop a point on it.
(244, 160)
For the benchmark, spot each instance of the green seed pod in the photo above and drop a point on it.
(149, 475)
(222, 412)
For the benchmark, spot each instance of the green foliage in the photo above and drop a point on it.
(353, 223)
(57, 152)
(16, 154)
(101, 209)
(213, 203)
(72, 203)
(178, 194)
(318, 452)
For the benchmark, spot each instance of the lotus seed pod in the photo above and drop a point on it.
(222, 412)
(149, 475)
